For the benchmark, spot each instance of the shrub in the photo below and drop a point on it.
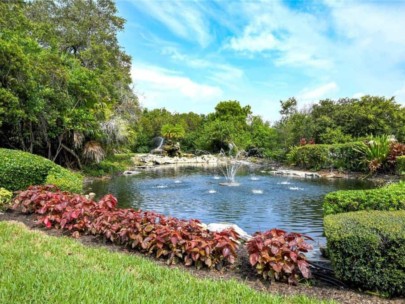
(367, 249)
(149, 232)
(400, 165)
(65, 179)
(5, 198)
(391, 197)
(339, 156)
(19, 169)
(278, 255)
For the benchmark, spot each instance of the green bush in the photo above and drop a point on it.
(400, 165)
(5, 197)
(337, 156)
(19, 169)
(65, 179)
(367, 249)
(391, 197)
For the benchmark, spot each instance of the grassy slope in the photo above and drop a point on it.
(36, 268)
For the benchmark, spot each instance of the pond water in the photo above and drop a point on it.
(259, 203)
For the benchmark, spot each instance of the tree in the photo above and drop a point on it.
(64, 80)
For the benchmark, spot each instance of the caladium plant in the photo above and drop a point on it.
(279, 255)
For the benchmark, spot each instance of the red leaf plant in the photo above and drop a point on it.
(149, 232)
(278, 255)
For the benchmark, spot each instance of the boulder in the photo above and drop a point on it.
(218, 227)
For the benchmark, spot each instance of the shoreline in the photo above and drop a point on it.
(146, 162)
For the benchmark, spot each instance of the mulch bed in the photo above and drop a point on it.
(241, 271)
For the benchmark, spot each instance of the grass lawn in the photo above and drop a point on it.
(37, 268)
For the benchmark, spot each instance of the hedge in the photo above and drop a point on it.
(337, 156)
(19, 169)
(5, 197)
(400, 165)
(367, 249)
(390, 198)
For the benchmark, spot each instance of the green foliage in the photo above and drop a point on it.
(367, 249)
(334, 136)
(111, 165)
(341, 121)
(375, 152)
(400, 165)
(229, 124)
(391, 197)
(170, 131)
(19, 169)
(63, 82)
(338, 156)
(5, 198)
(65, 180)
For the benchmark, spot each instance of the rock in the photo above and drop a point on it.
(90, 196)
(218, 227)
(130, 172)
(296, 173)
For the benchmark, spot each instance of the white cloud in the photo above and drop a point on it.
(315, 94)
(293, 37)
(254, 43)
(224, 74)
(183, 18)
(168, 89)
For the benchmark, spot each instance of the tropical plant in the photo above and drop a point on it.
(171, 131)
(375, 152)
(278, 255)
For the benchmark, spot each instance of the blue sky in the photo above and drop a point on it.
(189, 55)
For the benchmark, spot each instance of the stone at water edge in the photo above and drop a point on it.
(218, 227)
(130, 172)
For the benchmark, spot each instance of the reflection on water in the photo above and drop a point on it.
(258, 204)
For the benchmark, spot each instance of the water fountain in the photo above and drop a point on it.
(232, 165)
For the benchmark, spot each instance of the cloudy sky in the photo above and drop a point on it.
(189, 55)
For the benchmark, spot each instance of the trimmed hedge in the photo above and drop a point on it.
(367, 249)
(390, 198)
(19, 169)
(338, 156)
(400, 165)
(5, 197)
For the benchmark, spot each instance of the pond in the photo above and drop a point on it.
(261, 201)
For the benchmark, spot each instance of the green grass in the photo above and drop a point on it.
(37, 268)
